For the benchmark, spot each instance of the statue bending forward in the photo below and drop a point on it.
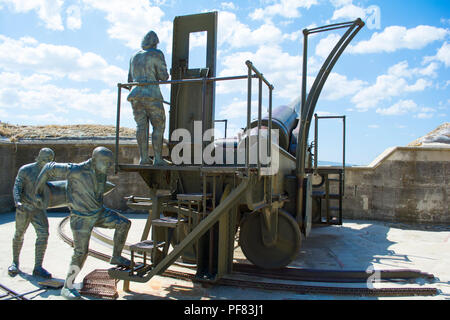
(148, 65)
(86, 184)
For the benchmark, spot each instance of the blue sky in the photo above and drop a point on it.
(60, 62)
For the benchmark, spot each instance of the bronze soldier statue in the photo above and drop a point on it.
(86, 183)
(148, 65)
(27, 212)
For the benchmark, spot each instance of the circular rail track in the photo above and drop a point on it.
(297, 288)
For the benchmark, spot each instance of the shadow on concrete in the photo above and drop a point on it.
(46, 293)
(417, 226)
(7, 217)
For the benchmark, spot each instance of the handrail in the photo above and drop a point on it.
(253, 73)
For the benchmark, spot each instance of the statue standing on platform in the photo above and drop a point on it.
(27, 212)
(148, 65)
(86, 184)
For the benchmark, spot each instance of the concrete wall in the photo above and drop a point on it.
(13, 156)
(7, 176)
(404, 184)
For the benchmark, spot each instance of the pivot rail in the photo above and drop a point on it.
(300, 289)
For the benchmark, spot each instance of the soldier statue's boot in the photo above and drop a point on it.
(142, 140)
(160, 162)
(41, 272)
(120, 236)
(13, 269)
(120, 261)
(41, 247)
(70, 294)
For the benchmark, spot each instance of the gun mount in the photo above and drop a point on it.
(259, 183)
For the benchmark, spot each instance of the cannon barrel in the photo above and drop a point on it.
(55, 195)
(284, 118)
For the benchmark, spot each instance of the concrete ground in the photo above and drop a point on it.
(357, 245)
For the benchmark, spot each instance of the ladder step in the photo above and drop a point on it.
(193, 196)
(168, 222)
(146, 246)
(139, 205)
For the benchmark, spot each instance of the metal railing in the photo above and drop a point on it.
(253, 73)
(316, 138)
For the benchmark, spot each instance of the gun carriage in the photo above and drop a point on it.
(260, 184)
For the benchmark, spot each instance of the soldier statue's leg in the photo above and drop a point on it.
(158, 119)
(81, 230)
(142, 126)
(111, 219)
(23, 219)
(40, 224)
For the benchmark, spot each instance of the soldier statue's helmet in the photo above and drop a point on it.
(45, 153)
(150, 40)
(102, 152)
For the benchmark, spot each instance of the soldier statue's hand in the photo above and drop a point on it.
(39, 201)
(23, 206)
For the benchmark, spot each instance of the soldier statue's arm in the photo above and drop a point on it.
(51, 171)
(161, 68)
(130, 77)
(18, 189)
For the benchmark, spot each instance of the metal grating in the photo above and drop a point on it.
(100, 285)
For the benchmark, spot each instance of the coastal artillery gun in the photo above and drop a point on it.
(259, 184)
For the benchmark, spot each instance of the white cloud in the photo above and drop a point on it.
(49, 11)
(327, 44)
(390, 85)
(28, 54)
(280, 68)
(338, 87)
(425, 113)
(400, 108)
(442, 55)
(394, 38)
(34, 99)
(238, 35)
(73, 21)
(284, 8)
(238, 109)
(228, 5)
(131, 20)
(349, 12)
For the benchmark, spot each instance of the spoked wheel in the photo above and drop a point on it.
(277, 255)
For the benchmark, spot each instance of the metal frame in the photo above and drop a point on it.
(309, 101)
(316, 138)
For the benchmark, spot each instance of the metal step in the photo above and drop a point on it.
(192, 196)
(138, 274)
(146, 246)
(167, 222)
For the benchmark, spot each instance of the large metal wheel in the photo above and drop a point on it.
(277, 255)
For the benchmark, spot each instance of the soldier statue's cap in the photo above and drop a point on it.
(150, 40)
(102, 152)
(44, 152)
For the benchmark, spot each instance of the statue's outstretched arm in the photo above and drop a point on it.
(51, 171)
